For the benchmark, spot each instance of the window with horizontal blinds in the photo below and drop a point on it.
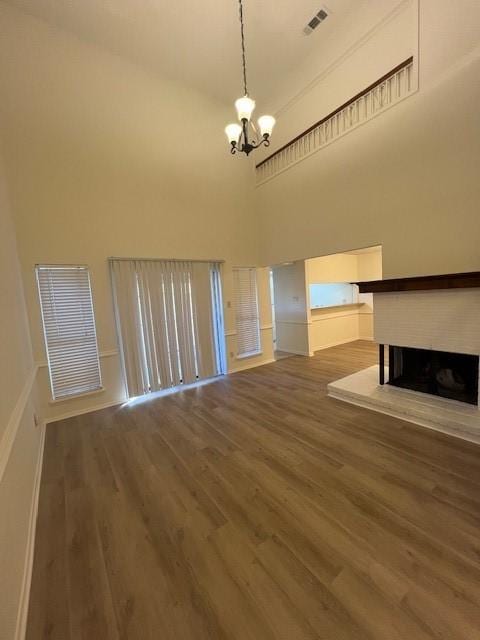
(246, 311)
(69, 329)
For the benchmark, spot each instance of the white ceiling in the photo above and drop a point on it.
(197, 42)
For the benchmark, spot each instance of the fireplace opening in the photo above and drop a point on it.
(449, 375)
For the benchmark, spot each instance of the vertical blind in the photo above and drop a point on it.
(69, 329)
(169, 322)
(246, 311)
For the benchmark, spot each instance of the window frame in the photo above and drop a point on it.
(259, 350)
(43, 304)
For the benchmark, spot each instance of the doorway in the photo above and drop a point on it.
(316, 303)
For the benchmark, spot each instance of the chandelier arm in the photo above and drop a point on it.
(244, 64)
(264, 141)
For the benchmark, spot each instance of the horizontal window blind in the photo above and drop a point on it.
(246, 310)
(69, 329)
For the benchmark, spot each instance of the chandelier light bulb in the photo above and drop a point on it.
(245, 107)
(239, 134)
(233, 132)
(266, 124)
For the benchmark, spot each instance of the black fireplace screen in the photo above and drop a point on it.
(449, 375)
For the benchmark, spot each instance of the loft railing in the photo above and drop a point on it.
(379, 96)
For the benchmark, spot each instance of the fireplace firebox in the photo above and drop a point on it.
(449, 375)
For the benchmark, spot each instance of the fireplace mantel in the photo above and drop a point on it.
(422, 283)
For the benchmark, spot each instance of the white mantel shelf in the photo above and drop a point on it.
(448, 416)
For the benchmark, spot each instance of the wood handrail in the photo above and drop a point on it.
(392, 72)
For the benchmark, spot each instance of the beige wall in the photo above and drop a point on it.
(19, 438)
(291, 308)
(16, 360)
(369, 268)
(330, 327)
(407, 180)
(340, 267)
(106, 160)
(369, 265)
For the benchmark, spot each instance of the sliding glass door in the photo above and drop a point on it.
(169, 320)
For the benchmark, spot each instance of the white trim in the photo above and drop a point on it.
(74, 396)
(22, 614)
(336, 344)
(250, 365)
(10, 433)
(251, 354)
(79, 412)
(370, 338)
(232, 332)
(308, 354)
(331, 308)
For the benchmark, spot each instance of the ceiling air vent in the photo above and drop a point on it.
(315, 21)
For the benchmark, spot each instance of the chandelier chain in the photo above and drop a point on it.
(243, 49)
(238, 134)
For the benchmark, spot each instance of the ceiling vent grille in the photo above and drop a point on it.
(315, 21)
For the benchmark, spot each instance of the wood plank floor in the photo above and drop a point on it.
(256, 508)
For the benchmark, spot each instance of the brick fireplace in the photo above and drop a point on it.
(429, 327)
(433, 337)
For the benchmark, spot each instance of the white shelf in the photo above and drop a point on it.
(338, 306)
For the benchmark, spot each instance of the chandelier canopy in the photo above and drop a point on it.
(237, 134)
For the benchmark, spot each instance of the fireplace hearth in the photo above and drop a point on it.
(431, 323)
(440, 373)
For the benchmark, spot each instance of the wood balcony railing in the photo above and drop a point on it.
(388, 90)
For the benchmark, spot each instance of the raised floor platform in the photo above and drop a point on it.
(451, 417)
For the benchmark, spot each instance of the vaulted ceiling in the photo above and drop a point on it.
(197, 42)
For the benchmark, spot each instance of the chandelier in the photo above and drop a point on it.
(237, 134)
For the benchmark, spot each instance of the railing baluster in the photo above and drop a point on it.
(383, 94)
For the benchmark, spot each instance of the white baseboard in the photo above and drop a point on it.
(252, 365)
(295, 352)
(336, 344)
(79, 412)
(22, 615)
(368, 338)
